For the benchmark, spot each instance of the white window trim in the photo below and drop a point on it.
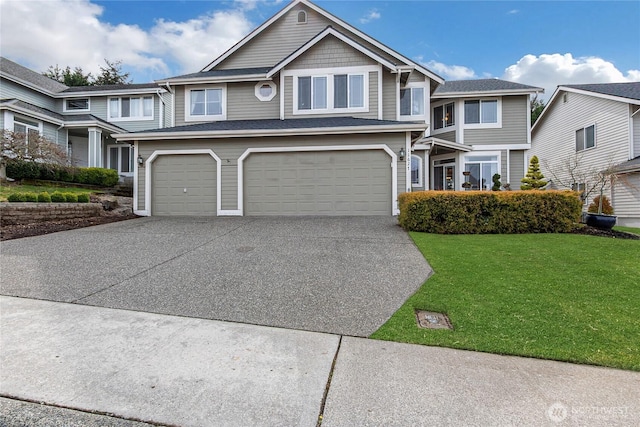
(451, 128)
(204, 118)
(425, 96)
(66, 110)
(273, 87)
(329, 73)
(497, 125)
(442, 157)
(299, 14)
(420, 171)
(463, 163)
(119, 147)
(131, 119)
(595, 139)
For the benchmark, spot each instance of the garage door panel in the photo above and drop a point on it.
(354, 182)
(172, 174)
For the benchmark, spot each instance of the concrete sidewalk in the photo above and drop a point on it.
(110, 367)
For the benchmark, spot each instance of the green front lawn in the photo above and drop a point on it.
(6, 189)
(633, 230)
(565, 297)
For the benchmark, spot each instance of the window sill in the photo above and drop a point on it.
(218, 118)
(130, 119)
(297, 112)
(483, 126)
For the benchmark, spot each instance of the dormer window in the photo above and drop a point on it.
(76, 104)
(302, 17)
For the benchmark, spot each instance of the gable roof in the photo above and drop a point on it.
(321, 36)
(241, 74)
(621, 92)
(110, 88)
(483, 87)
(29, 78)
(333, 18)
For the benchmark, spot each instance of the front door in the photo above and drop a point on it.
(444, 175)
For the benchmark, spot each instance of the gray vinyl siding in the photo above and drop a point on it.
(389, 96)
(10, 90)
(373, 101)
(626, 200)
(636, 135)
(179, 110)
(447, 136)
(331, 52)
(231, 149)
(516, 169)
(50, 131)
(277, 41)
(554, 138)
(514, 125)
(99, 109)
(242, 103)
(416, 77)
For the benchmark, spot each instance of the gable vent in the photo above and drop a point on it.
(302, 17)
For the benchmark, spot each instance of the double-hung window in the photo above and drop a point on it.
(205, 103)
(131, 108)
(444, 116)
(412, 101)
(481, 112)
(586, 138)
(332, 93)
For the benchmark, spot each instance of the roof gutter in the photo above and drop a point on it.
(253, 133)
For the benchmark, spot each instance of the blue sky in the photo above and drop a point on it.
(543, 43)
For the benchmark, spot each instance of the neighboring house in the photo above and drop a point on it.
(81, 119)
(307, 115)
(597, 125)
(478, 128)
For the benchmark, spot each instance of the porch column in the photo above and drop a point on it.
(95, 148)
(426, 170)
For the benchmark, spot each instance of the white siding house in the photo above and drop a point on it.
(593, 126)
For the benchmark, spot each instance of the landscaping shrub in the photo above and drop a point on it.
(16, 197)
(607, 209)
(30, 197)
(83, 198)
(21, 169)
(97, 176)
(485, 212)
(58, 197)
(44, 197)
(70, 198)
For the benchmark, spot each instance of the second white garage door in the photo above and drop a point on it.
(354, 182)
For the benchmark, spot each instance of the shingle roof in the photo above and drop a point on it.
(36, 79)
(623, 90)
(481, 85)
(628, 166)
(221, 73)
(33, 108)
(99, 88)
(277, 124)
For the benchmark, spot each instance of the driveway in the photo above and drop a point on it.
(339, 275)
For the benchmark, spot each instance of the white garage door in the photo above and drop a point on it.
(354, 182)
(183, 184)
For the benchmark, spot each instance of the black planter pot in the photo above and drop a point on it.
(602, 221)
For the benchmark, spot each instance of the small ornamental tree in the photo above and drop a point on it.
(534, 179)
(29, 147)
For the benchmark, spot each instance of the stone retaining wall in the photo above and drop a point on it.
(29, 213)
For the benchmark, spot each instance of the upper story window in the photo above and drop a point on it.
(265, 91)
(76, 104)
(332, 93)
(586, 138)
(444, 116)
(482, 112)
(412, 101)
(131, 108)
(205, 104)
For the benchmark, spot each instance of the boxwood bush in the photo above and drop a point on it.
(83, 198)
(44, 197)
(101, 177)
(487, 212)
(70, 198)
(16, 197)
(58, 197)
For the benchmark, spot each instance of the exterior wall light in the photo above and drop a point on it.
(140, 160)
(402, 154)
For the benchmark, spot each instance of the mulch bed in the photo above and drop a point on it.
(592, 231)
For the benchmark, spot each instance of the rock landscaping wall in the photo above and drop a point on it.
(29, 213)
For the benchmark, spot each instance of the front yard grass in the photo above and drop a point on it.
(633, 230)
(564, 297)
(9, 188)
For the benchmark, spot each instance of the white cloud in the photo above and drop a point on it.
(451, 72)
(42, 33)
(371, 15)
(513, 12)
(550, 70)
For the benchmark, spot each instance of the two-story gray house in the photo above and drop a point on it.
(81, 119)
(308, 115)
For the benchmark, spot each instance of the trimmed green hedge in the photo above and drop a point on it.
(489, 212)
(21, 169)
(44, 197)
